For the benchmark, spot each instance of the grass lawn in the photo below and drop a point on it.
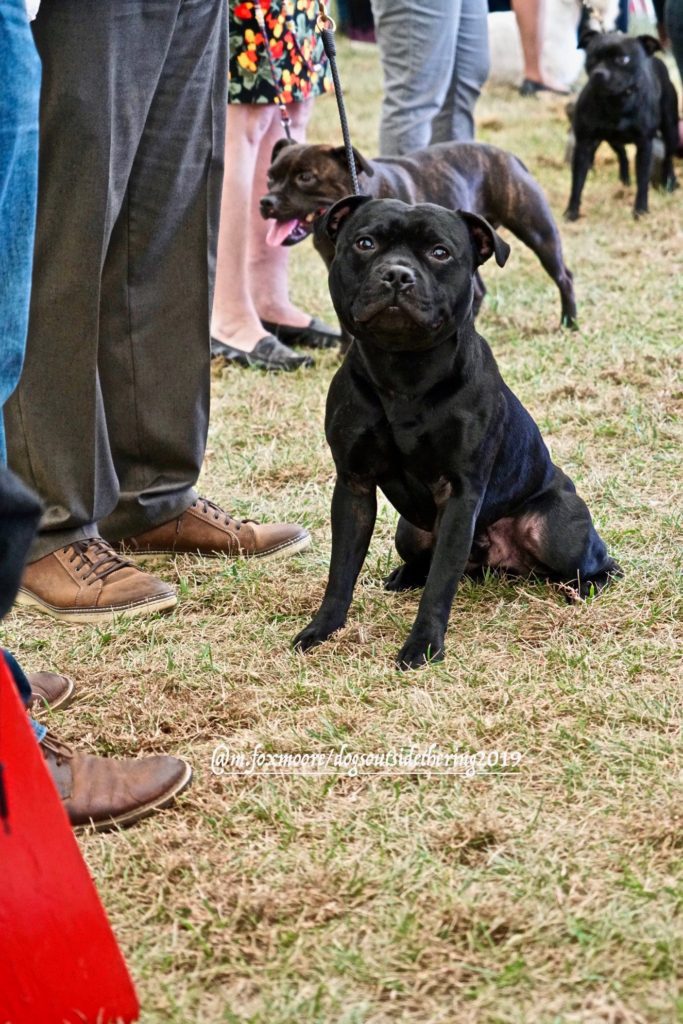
(552, 894)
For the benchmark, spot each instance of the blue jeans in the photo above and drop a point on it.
(435, 58)
(24, 687)
(19, 101)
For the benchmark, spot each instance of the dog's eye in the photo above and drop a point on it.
(365, 243)
(440, 252)
(622, 59)
(306, 177)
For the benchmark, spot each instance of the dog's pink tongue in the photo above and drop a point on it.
(279, 230)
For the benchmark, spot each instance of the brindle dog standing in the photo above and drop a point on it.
(304, 181)
(419, 409)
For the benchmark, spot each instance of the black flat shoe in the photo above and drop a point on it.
(316, 335)
(267, 354)
(530, 88)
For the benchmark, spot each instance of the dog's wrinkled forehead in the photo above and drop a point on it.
(393, 222)
(627, 51)
(291, 157)
(297, 157)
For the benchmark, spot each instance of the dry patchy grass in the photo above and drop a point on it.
(550, 895)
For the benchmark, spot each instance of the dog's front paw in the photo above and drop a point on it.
(314, 634)
(590, 588)
(571, 214)
(420, 651)
(640, 211)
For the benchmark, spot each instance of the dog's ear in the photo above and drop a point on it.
(586, 37)
(649, 44)
(280, 145)
(331, 223)
(362, 165)
(485, 240)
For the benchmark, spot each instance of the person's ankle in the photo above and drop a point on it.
(241, 334)
(533, 73)
(290, 316)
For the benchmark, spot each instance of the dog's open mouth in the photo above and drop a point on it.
(289, 232)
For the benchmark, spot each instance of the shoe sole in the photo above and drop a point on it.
(292, 547)
(132, 817)
(89, 616)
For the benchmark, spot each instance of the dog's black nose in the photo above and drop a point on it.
(267, 206)
(398, 277)
(601, 73)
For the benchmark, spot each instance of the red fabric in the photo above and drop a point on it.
(59, 962)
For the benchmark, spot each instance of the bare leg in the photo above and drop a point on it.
(234, 319)
(530, 18)
(268, 264)
(248, 270)
(530, 23)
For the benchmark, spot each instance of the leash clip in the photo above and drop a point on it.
(324, 21)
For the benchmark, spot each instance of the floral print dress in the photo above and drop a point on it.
(296, 48)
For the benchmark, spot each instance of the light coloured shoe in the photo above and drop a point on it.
(88, 582)
(103, 793)
(206, 529)
(50, 690)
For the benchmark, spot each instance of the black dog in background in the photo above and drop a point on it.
(628, 98)
(419, 409)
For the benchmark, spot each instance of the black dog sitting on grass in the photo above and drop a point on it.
(628, 98)
(419, 409)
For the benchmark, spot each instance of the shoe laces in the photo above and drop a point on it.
(99, 556)
(62, 751)
(210, 507)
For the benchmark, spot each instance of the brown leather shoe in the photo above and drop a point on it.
(205, 529)
(89, 582)
(107, 792)
(50, 690)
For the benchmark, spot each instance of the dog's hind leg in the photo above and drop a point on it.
(558, 532)
(669, 128)
(622, 157)
(415, 548)
(540, 233)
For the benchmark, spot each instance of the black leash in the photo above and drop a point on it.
(326, 27)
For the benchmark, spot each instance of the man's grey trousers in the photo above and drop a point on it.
(109, 421)
(435, 57)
